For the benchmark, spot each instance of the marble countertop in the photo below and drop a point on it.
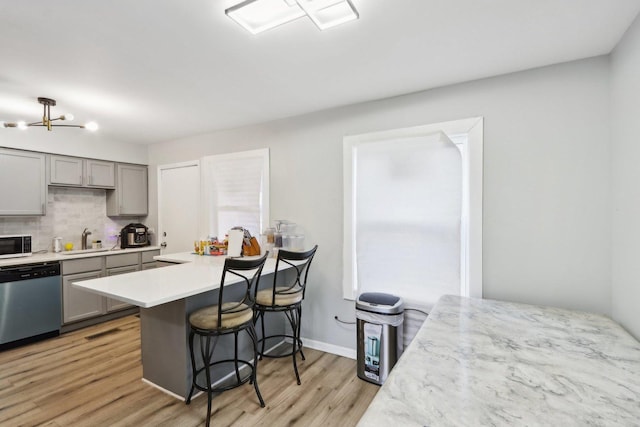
(480, 362)
(62, 256)
(148, 288)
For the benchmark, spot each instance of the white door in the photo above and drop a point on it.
(178, 206)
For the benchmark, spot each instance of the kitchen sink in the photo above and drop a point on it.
(83, 251)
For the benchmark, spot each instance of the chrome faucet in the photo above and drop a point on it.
(85, 233)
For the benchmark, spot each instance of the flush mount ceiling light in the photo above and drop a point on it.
(257, 16)
(47, 121)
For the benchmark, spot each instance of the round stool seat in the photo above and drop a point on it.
(284, 296)
(207, 317)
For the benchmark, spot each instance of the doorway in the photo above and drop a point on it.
(178, 206)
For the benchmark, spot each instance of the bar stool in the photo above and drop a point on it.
(287, 299)
(227, 316)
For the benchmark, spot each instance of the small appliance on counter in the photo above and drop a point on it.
(134, 236)
(17, 245)
(56, 244)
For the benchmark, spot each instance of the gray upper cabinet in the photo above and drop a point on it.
(65, 171)
(24, 183)
(100, 174)
(130, 197)
(76, 172)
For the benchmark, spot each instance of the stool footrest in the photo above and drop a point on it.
(283, 336)
(232, 375)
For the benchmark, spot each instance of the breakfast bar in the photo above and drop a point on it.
(480, 362)
(166, 296)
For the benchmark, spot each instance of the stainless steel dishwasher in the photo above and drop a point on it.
(30, 303)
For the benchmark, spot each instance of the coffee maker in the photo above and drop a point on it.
(134, 236)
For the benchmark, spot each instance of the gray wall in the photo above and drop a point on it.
(547, 221)
(625, 90)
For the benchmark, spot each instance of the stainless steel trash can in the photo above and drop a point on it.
(379, 319)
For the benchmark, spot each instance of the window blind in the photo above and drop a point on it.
(407, 197)
(236, 186)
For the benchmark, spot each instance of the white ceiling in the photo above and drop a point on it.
(154, 70)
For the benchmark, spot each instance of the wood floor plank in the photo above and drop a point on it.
(92, 377)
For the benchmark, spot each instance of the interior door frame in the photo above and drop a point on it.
(161, 168)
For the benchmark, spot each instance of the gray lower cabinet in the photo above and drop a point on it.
(78, 304)
(148, 261)
(23, 189)
(121, 264)
(114, 304)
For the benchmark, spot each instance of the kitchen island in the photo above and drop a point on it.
(488, 363)
(166, 296)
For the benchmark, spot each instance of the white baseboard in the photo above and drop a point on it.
(329, 348)
(164, 390)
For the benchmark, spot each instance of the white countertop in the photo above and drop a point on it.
(149, 288)
(489, 363)
(61, 256)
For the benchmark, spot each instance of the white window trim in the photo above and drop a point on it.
(473, 128)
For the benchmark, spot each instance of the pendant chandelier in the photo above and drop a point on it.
(47, 121)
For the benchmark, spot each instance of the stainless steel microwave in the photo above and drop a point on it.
(15, 246)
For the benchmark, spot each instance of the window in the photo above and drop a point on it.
(412, 214)
(236, 191)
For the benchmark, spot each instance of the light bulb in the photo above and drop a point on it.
(92, 126)
(22, 125)
(66, 117)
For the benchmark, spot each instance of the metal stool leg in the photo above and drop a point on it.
(263, 336)
(298, 334)
(235, 356)
(291, 315)
(207, 373)
(254, 375)
(193, 368)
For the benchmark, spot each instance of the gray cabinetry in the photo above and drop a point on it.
(23, 189)
(121, 264)
(78, 304)
(114, 304)
(100, 174)
(76, 172)
(65, 170)
(130, 197)
(148, 261)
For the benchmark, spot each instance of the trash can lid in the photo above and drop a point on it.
(378, 302)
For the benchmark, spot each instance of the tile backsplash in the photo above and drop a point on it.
(69, 211)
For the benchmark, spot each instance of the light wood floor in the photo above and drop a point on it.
(92, 377)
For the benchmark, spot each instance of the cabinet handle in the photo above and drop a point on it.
(90, 179)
